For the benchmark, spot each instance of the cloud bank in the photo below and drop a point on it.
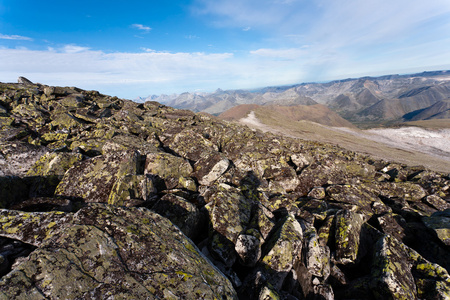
(297, 41)
(130, 74)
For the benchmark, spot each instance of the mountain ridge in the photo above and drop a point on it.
(366, 101)
(317, 113)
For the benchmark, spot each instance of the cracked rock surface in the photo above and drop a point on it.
(103, 251)
(104, 198)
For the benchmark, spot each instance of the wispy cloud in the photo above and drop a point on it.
(148, 49)
(15, 37)
(341, 36)
(290, 54)
(141, 27)
(74, 49)
(245, 13)
(346, 17)
(120, 73)
(377, 21)
(149, 72)
(300, 40)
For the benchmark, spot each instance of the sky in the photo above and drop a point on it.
(139, 48)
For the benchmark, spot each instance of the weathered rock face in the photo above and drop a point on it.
(348, 236)
(284, 249)
(392, 276)
(102, 197)
(92, 180)
(131, 190)
(17, 158)
(104, 251)
(439, 223)
(54, 164)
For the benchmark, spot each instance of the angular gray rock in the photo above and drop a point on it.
(170, 168)
(392, 277)
(248, 248)
(181, 213)
(17, 158)
(439, 223)
(106, 251)
(283, 251)
(281, 218)
(130, 190)
(92, 180)
(348, 234)
(229, 211)
(23, 80)
(210, 167)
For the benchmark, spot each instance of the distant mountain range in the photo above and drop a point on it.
(365, 101)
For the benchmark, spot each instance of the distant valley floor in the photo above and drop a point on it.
(408, 145)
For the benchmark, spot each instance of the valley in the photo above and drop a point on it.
(366, 102)
(364, 114)
(422, 146)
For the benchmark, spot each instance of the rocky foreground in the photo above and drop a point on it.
(104, 198)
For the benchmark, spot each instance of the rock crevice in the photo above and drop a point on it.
(128, 200)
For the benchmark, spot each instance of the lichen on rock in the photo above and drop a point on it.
(108, 250)
(283, 250)
(439, 223)
(130, 190)
(348, 234)
(103, 197)
(392, 277)
(54, 164)
(92, 180)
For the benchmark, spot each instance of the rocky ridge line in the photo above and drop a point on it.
(105, 198)
(366, 101)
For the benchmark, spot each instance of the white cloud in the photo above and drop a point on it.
(376, 21)
(74, 49)
(140, 74)
(141, 27)
(130, 75)
(262, 14)
(289, 54)
(151, 72)
(148, 50)
(21, 48)
(329, 19)
(328, 37)
(15, 37)
(302, 40)
(246, 28)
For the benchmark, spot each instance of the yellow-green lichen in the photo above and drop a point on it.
(185, 276)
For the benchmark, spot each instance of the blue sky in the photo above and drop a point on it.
(138, 48)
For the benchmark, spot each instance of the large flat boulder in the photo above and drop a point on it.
(107, 252)
(92, 180)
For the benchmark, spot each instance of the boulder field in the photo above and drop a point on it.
(105, 198)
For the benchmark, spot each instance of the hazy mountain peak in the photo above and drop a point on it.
(366, 100)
